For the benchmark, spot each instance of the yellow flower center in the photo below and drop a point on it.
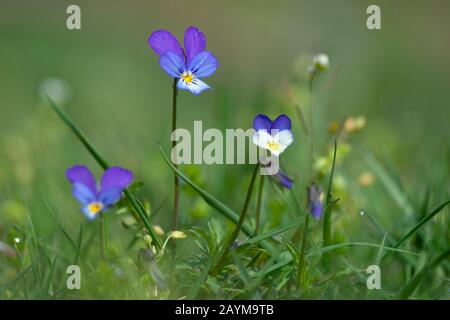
(95, 207)
(273, 145)
(187, 77)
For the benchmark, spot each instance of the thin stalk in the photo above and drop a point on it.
(301, 257)
(311, 126)
(329, 204)
(241, 218)
(258, 204)
(105, 235)
(176, 182)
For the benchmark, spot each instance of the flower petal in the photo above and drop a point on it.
(261, 138)
(82, 193)
(81, 174)
(162, 41)
(283, 180)
(282, 123)
(109, 197)
(88, 214)
(116, 178)
(285, 138)
(262, 122)
(196, 86)
(203, 64)
(316, 209)
(172, 64)
(194, 43)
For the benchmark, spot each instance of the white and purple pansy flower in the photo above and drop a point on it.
(274, 136)
(188, 65)
(95, 199)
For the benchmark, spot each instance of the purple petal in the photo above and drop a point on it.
(110, 196)
(314, 201)
(194, 43)
(172, 64)
(316, 209)
(81, 174)
(116, 178)
(203, 64)
(197, 86)
(83, 194)
(282, 123)
(262, 122)
(162, 41)
(284, 180)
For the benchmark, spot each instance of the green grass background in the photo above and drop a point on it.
(397, 77)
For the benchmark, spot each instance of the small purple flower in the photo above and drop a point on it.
(315, 201)
(274, 136)
(93, 199)
(283, 180)
(188, 65)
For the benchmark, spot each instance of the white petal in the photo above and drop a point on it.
(285, 138)
(196, 86)
(261, 138)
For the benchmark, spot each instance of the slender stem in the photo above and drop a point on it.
(311, 129)
(105, 235)
(176, 185)
(329, 204)
(301, 257)
(258, 204)
(241, 218)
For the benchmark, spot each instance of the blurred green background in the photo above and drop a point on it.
(112, 86)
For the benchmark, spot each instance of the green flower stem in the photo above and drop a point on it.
(241, 219)
(105, 235)
(258, 204)
(176, 184)
(326, 234)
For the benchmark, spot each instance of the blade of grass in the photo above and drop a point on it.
(326, 234)
(412, 284)
(380, 251)
(64, 232)
(274, 232)
(102, 162)
(200, 280)
(356, 244)
(419, 225)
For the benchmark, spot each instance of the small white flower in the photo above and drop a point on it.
(321, 61)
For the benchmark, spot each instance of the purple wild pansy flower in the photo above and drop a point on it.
(188, 65)
(315, 201)
(274, 136)
(93, 199)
